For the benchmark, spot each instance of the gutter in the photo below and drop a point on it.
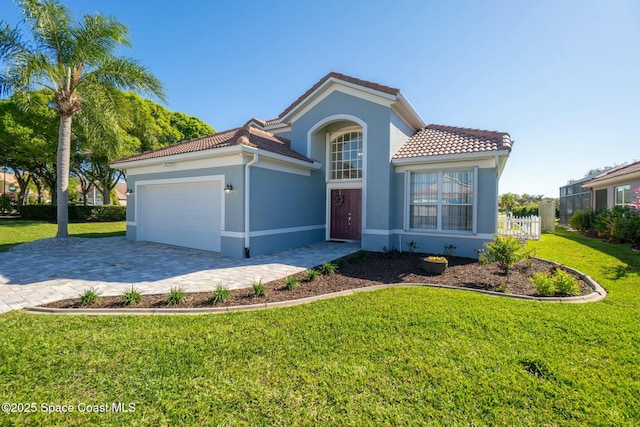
(247, 198)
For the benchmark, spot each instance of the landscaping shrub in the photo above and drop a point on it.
(582, 220)
(176, 296)
(328, 268)
(131, 297)
(507, 251)
(312, 275)
(556, 282)
(220, 294)
(257, 289)
(292, 283)
(621, 224)
(565, 283)
(88, 296)
(107, 213)
(543, 284)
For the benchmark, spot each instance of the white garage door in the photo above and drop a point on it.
(183, 214)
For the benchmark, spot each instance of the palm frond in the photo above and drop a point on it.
(96, 39)
(50, 24)
(11, 41)
(126, 74)
(29, 70)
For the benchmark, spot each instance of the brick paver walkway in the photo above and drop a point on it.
(112, 265)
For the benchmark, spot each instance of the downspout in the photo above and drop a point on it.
(247, 194)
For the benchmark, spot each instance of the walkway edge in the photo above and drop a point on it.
(598, 294)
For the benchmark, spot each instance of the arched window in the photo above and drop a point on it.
(346, 155)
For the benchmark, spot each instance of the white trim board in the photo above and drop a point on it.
(271, 232)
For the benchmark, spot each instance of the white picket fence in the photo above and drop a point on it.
(528, 227)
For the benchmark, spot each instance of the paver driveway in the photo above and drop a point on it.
(114, 264)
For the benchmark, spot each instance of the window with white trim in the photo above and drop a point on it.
(345, 156)
(623, 195)
(442, 200)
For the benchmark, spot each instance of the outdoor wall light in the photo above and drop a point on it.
(228, 189)
(129, 192)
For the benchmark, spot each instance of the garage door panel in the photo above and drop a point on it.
(185, 214)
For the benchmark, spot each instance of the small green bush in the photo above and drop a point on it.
(292, 283)
(507, 251)
(88, 296)
(582, 221)
(312, 274)
(220, 294)
(257, 289)
(565, 283)
(543, 284)
(328, 268)
(176, 296)
(131, 297)
(557, 282)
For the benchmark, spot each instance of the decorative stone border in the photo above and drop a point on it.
(598, 294)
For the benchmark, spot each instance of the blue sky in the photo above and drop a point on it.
(562, 77)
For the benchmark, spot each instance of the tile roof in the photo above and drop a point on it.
(248, 136)
(263, 123)
(344, 78)
(618, 171)
(438, 140)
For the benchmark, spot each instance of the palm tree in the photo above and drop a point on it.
(76, 62)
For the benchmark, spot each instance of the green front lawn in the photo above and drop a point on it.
(13, 231)
(404, 356)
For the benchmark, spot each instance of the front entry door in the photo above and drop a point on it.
(346, 214)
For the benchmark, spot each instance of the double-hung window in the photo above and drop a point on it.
(442, 200)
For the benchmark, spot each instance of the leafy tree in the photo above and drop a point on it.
(28, 142)
(76, 62)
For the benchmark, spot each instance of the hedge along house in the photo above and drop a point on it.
(350, 160)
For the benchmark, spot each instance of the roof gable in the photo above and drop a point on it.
(438, 140)
(333, 76)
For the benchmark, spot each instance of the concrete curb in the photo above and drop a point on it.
(598, 294)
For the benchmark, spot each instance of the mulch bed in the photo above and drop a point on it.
(355, 272)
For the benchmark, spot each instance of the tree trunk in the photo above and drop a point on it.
(106, 195)
(62, 186)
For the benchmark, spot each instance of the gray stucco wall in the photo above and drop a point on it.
(433, 242)
(378, 167)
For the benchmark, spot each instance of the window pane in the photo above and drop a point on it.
(623, 195)
(457, 217)
(346, 158)
(457, 187)
(424, 216)
(424, 188)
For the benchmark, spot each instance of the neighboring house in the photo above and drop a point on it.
(121, 193)
(574, 198)
(349, 160)
(619, 186)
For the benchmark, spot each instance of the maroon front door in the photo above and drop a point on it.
(346, 214)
